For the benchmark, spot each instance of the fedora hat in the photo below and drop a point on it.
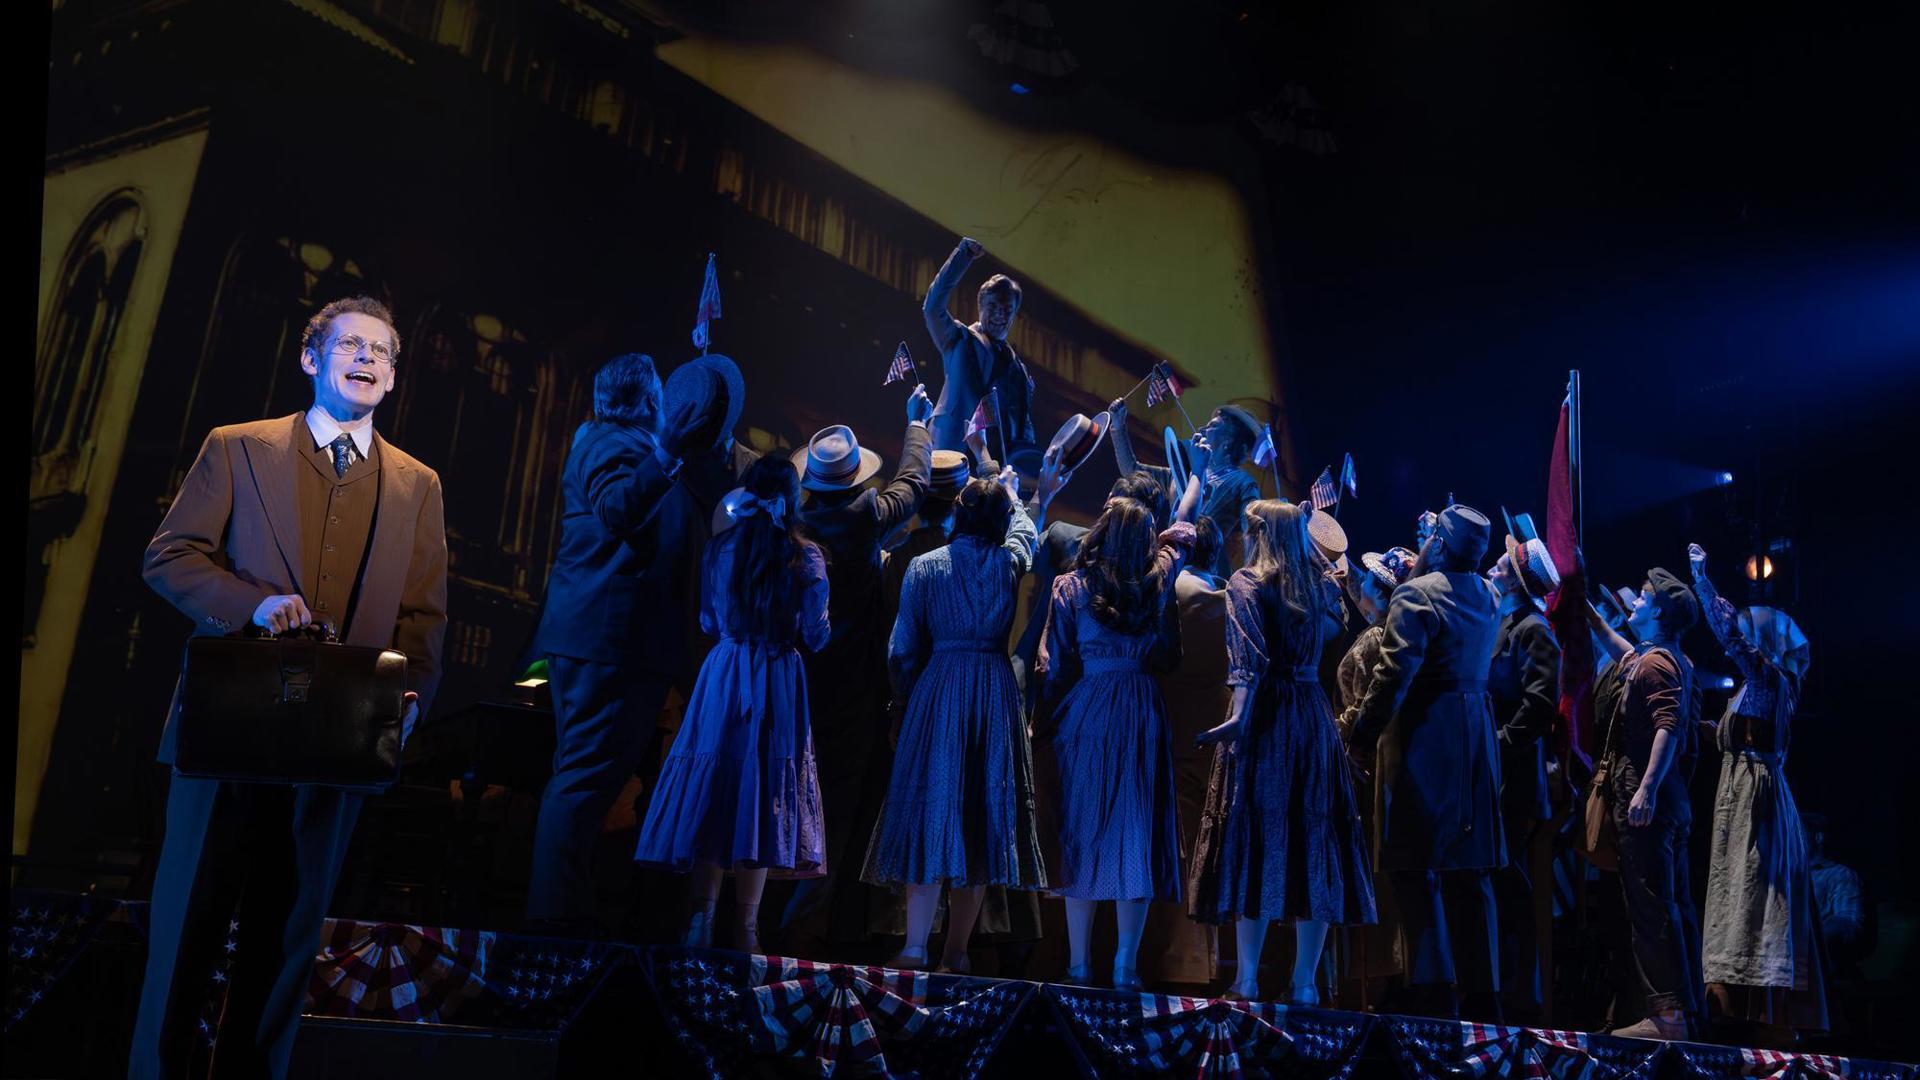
(950, 474)
(1533, 567)
(703, 398)
(1078, 438)
(835, 461)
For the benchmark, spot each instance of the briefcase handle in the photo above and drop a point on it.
(320, 631)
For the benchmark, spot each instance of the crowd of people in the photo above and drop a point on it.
(1214, 715)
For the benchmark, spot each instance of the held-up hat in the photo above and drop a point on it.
(1679, 608)
(835, 461)
(1376, 565)
(950, 474)
(1078, 438)
(1328, 536)
(1533, 568)
(1179, 459)
(703, 398)
(1393, 567)
(1465, 531)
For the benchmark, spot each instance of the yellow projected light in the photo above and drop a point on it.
(1161, 257)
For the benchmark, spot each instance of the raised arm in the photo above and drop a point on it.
(1020, 540)
(901, 498)
(1122, 442)
(626, 481)
(1724, 620)
(941, 325)
(186, 563)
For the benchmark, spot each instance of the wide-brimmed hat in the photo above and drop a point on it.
(1376, 565)
(1328, 536)
(1078, 438)
(703, 398)
(950, 474)
(1465, 531)
(835, 461)
(1533, 568)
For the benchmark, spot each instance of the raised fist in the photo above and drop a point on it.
(974, 247)
(919, 406)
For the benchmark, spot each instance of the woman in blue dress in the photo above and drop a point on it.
(959, 809)
(739, 791)
(1280, 836)
(1118, 834)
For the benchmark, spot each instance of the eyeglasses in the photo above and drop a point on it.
(384, 352)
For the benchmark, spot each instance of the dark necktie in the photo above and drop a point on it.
(342, 454)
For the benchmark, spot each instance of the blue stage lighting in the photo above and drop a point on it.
(1018, 88)
(1726, 682)
(1724, 479)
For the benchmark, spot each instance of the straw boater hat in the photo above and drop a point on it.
(1329, 537)
(1533, 568)
(1392, 568)
(835, 461)
(950, 474)
(1078, 438)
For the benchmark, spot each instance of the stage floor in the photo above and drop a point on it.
(393, 999)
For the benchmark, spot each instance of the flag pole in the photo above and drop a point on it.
(1191, 430)
(1573, 454)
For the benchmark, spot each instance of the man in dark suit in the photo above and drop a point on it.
(1524, 681)
(846, 681)
(1437, 827)
(310, 518)
(611, 632)
(976, 360)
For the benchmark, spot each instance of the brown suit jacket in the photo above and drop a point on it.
(232, 538)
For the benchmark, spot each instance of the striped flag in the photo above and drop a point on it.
(709, 307)
(1346, 477)
(1263, 452)
(1161, 385)
(1324, 493)
(901, 367)
(985, 413)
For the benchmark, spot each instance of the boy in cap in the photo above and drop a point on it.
(1647, 705)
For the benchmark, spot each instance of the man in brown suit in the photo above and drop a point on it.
(310, 518)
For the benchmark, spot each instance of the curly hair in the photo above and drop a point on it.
(321, 324)
(1126, 585)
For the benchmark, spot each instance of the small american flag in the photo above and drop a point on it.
(985, 414)
(1161, 385)
(1346, 477)
(901, 367)
(709, 307)
(1263, 452)
(1324, 493)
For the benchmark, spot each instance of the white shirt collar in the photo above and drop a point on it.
(325, 430)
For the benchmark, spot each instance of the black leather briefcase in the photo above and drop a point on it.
(297, 709)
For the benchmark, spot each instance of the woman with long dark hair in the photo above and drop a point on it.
(739, 790)
(959, 809)
(1280, 837)
(1117, 835)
